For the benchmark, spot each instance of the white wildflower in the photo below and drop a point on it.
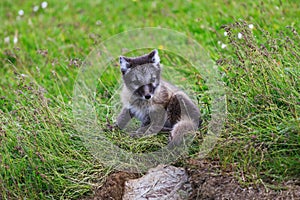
(44, 4)
(251, 26)
(21, 12)
(98, 22)
(240, 35)
(219, 42)
(6, 39)
(35, 8)
(15, 39)
(223, 46)
(225, 33)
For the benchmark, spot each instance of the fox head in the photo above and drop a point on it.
(141, 75)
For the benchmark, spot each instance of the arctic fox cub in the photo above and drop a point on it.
(157, 104)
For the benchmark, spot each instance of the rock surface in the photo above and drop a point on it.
(162, 182)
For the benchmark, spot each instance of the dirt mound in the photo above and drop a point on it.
(113, 188)
(207, 182)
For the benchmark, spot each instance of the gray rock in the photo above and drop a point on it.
(163, 182)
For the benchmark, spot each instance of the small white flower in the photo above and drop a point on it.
(251, 26)
(223, 46)
(15, 39)
(240, 35)
(24, 75)
(21, 12)
(6, 39)
(219, 42)
(44, 4)
(98, 22)
(225, 33)
(276, 7)
(35, 8)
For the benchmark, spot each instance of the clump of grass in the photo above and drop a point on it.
(262, 73)
(40, 155)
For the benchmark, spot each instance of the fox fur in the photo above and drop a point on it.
(157, 104)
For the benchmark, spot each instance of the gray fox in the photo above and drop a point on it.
(158, 104)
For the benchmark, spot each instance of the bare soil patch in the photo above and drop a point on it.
(209, 182)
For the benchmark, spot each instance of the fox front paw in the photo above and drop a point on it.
(111, 127)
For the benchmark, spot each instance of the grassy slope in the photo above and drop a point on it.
(46, 160)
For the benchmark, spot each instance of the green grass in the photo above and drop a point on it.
(41, 153)
(263, 93)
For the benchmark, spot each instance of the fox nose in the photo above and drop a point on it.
(147, 96)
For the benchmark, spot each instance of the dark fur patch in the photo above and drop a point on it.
(174, 110)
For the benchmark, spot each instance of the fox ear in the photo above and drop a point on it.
(153, 55)
(123, 64)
